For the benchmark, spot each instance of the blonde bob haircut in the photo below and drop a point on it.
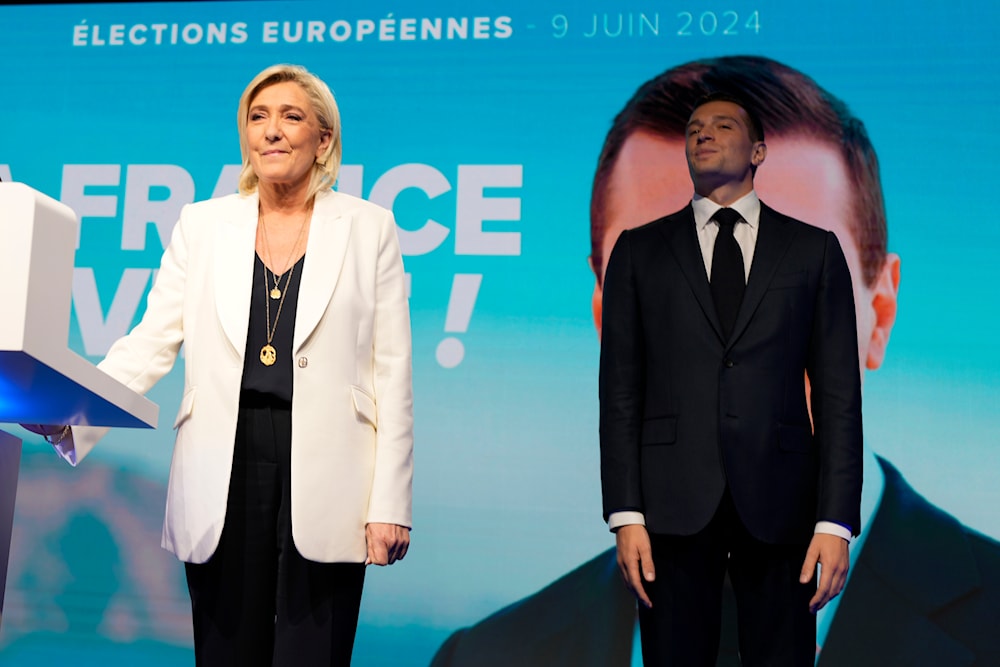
(325, 169)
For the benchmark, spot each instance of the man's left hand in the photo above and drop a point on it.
(830, 552)
(387, 543)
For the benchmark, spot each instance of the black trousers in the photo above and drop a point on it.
(257, 601)
(682, 628)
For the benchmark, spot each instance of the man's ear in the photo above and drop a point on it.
(884, 293)
(759, 153)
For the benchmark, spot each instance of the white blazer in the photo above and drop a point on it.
(352, 404)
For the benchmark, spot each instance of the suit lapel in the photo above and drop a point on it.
(915, 561)
(325, 251)
(233, 274)
(774, 236)
(682, 240)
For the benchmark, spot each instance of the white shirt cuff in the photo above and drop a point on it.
(618, 519)
(831, 528)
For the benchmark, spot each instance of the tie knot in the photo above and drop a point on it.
(727, 218)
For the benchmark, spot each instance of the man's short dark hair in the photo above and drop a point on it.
(786, 101)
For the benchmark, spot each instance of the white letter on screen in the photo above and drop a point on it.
(98, 332)
(474, 208)
(424, 177)
(140, 210)
(76, 178)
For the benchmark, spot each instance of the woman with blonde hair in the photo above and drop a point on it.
(292, 465)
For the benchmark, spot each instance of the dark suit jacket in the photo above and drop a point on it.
(685, 412)
(924, 592)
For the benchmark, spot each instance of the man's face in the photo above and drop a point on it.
(803, 178)
(719, 149)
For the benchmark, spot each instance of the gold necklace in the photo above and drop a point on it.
(268, 355)
(275, 292)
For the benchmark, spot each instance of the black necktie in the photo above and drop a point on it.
(728, 277)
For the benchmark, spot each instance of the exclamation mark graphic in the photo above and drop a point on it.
(464, 290)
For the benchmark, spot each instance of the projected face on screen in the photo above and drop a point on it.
(802, 177)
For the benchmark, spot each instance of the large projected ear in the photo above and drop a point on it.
(885, 294)
(595, 306)
(596, 299)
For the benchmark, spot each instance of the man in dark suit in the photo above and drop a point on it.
(923, 589)
(712, 317)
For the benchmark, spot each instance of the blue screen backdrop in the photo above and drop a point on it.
(479, 124)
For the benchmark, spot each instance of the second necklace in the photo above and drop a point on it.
(268, 355)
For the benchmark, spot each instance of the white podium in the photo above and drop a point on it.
(41, 380)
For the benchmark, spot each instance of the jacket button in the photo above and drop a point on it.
(303, 362)
(729, 363)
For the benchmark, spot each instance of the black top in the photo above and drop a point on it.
(274, 380)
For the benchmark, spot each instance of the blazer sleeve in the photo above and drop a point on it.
(622, 377)
(147, 353)
(835, 380)
(391, 496)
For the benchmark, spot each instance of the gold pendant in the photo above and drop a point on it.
(275, 293)
(268, 355)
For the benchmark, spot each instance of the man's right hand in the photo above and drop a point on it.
(635, 559)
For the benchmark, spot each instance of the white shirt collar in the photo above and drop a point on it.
(748, 206)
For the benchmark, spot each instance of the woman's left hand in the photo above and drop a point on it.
(387, 543)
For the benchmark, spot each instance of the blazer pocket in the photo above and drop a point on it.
(187, 407)
(788, 280)
(364, 406)
(659, 431)
(795, 438)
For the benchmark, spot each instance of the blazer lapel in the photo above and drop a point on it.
(325, 251)
(774, 236)
(915, 561)
(233, 274)
(682, 240)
